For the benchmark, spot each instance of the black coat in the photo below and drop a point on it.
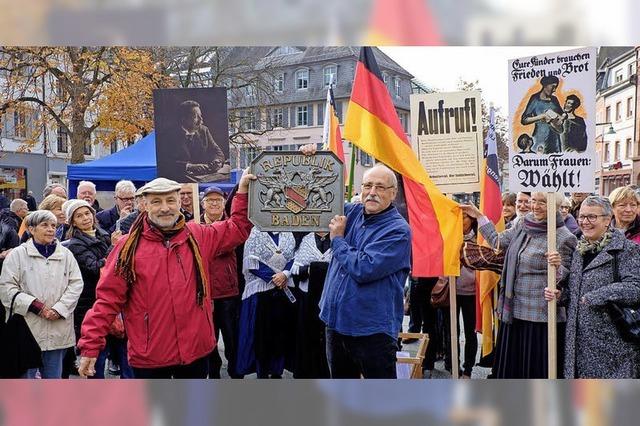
(90, 253)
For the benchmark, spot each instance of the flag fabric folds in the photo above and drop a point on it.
(372, 124)
(491, 207)
(331, 137)
(406, 22)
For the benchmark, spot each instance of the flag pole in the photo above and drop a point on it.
(453, 322)
(551, 283)
(354, 152)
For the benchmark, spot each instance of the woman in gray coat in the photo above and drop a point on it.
(593, 346)
(521, 346)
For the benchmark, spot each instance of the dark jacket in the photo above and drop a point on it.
(593, 346)
(90, 253)
(32, 205)
(125, 224)
(107, 219)
(8, 239)
(11, 219)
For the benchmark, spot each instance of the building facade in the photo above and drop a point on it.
(616, 118)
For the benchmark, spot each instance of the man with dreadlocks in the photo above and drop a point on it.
(157, 276)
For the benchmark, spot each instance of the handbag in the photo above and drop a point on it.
(440, 293)
(625, 318)
(482, 258)
(19, 350)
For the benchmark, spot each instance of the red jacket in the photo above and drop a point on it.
(163, 321)
(223, 274)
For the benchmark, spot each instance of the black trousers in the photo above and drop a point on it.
(372, 357)
(467, 304)
(198, 369)
(422, 316)
(226, 316)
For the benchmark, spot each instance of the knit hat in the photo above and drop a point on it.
(69, 207)
(160, 186)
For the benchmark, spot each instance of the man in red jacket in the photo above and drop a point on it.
(158, 277)
(223, 280)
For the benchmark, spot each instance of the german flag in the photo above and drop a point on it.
(491, 207)
(372, 124)
(402, 23)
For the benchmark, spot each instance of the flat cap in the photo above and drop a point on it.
(160, 186)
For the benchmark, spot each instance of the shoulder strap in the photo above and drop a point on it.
(616, 271)
(13, 299)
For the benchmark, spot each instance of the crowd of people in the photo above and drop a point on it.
(146, 288)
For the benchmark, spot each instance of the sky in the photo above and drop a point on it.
(441, 67)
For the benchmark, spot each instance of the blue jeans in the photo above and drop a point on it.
(373, 356)
(51, 365)
(118, 349)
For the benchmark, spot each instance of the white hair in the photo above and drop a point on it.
(125, 186)
(17, 204)
(393, 180)
(39, 216)
(87, 183)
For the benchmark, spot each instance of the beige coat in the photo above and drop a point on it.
(55, 281)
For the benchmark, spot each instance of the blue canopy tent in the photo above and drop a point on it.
(136, 163)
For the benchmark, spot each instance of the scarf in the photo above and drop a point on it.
(530, 227)
(125, 266)
(585, 246)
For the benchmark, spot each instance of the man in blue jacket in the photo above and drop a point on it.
(362, 302)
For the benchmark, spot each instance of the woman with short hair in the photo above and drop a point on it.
(624, 201)
(44, 279)
(605, 268)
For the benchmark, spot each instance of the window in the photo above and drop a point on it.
(330, 75)
(618, 111)
(385, 78)
(628, 149)
(631, 70)
(19, 124)
(278, 83)
(618, 76)
(606, 153)
(396, 86)
(277, 117)
(608, 114)
(87, 148)
(302, 79)
(629, 107)
(249, 121)
(114, 147)
(250, 92)
(403, 121)
(302, 116)
(365, 159)
(616, 152)
(63, 140)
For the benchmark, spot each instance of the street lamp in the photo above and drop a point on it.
(610, 131)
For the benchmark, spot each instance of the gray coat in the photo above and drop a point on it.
(593, 346)
(531, 278)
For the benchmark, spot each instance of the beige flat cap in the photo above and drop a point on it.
(160, 186)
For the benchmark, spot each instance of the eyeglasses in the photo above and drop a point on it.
(130, 199)
(565, 207)
(590, 218)
(538, 202)
(213, 201)
(379, 188)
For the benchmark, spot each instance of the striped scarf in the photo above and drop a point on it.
(125, 266)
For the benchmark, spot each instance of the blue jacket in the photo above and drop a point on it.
(370, 264)
(107, 219)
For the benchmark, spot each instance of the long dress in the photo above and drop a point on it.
(310, 270)
(266, 336)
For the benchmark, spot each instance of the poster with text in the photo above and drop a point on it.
(552, 114)
(448, 138)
